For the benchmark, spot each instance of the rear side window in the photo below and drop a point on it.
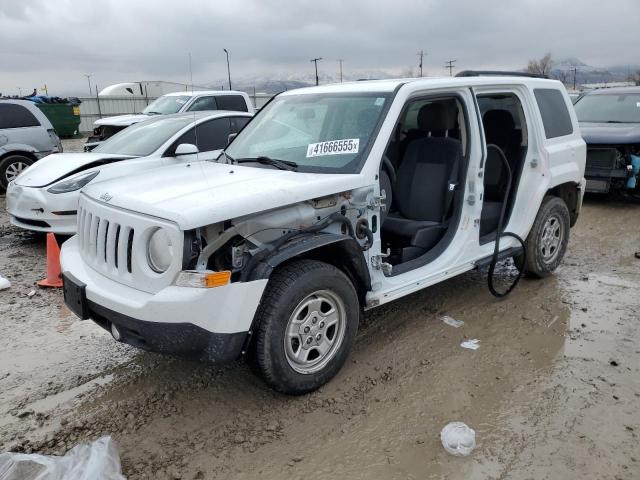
(238, 123)
(211, 135)
(16, 116)
(232, 102)
(553, 109)
(204, 103)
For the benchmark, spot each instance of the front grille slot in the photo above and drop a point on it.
(106, 243)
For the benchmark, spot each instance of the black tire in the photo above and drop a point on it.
(542, 257)
(10, 164)
(288, 288)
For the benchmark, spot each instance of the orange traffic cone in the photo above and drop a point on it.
(54, 275)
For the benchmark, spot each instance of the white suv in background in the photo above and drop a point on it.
(175, 102)
(332, 200)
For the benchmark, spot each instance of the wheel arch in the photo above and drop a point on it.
(341, 251)
(24, 153)
(570, 193)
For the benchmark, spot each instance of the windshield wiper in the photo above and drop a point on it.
(280, 164)
(154, 113)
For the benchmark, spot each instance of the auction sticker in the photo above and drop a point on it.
(333, 147)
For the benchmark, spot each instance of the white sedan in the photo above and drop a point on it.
(45, 196)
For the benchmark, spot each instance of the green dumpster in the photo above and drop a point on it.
(65, 117)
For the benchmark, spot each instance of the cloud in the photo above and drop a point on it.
(117, 40)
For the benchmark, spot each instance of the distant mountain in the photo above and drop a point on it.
(563, 69)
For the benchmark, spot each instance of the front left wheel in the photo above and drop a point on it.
(307, 321)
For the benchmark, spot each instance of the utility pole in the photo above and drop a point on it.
(88, 75)
(316, 60)
(575, 71)
(228, 69)
(421, 54)
(449, 65)
(340, 60)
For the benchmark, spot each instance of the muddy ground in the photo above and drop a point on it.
(553, 392)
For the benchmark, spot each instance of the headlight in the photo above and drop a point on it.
(160, 251)
(74, 183)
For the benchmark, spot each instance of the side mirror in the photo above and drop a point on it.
(231, 137)
(186, 149)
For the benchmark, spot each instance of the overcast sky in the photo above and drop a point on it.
(57, 41)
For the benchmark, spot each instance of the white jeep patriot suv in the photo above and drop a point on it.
(332, 200)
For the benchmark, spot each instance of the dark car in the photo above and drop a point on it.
(610, 125)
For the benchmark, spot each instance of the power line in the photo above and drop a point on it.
(316, 60)
(449, 65)
(421, 54)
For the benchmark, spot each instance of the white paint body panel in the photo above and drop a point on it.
(203, 193)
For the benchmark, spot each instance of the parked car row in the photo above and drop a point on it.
(176, 102)
(330, 201)
(45, 197)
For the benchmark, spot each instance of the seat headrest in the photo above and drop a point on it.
(437, 117)
(499, 127)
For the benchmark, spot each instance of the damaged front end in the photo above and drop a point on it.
(613, 168)
(251, 247)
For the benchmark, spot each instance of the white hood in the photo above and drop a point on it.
(122, 120)
(203, 193)
(59, 165)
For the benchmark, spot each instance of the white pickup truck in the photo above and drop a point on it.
(176, 102)
(332, 200)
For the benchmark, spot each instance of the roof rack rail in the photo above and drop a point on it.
(483, 73)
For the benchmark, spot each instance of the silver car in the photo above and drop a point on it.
(26, 135)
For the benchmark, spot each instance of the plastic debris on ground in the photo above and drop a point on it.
(97, 460)
(4, 283)
(471, 344)
(458, 439)
(451, 321)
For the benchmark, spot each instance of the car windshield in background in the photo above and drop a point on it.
(609, 108)
(325, 133)
(166, 105)
(143, 138)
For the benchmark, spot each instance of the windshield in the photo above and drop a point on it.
(615, 108)
(144, 138)
(325, 133)
(165, 105)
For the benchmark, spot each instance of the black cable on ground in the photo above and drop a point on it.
(500, 233)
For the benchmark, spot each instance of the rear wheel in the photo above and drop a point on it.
(547, 240)
(11, 167)
(308, 320)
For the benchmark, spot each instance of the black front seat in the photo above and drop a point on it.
(423, 195)
(436, 119)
